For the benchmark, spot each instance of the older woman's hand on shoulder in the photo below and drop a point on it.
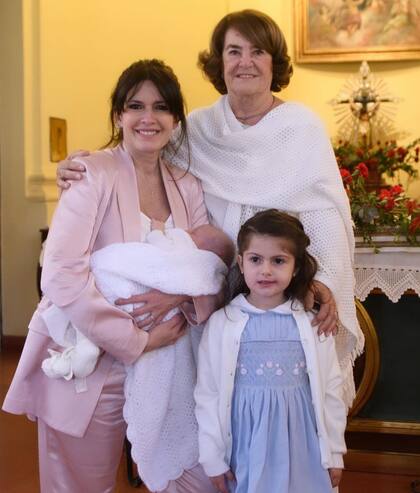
(69, 170)
(327, 317)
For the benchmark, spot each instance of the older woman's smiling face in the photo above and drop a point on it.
(247, 69)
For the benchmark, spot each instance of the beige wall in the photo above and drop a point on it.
(63, 58)
(84, 46)
(20, 218)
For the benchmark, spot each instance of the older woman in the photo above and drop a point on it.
(252, 151)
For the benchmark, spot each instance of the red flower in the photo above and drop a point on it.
(396, 190)
(346, 176)
(401, 151)
(363, 170)
(384, 194)
(414, 225)
(411, 205)
(387, 197)
(391, 153)
(360, 152)
(389, 204)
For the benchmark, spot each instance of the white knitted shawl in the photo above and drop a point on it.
(285, 161)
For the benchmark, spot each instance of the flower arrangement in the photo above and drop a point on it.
(387, 159)
(375, 206)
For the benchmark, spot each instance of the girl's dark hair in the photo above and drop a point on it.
(166, 83)
(278, 224)
(262, 32)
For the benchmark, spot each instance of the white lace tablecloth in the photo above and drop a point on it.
(394, 269)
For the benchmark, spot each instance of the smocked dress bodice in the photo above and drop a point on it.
(275, 443)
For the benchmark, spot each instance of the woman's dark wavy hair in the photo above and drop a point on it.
(272, 222)
(166, 83)
(262, 32)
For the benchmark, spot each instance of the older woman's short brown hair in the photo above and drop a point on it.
(261, 31)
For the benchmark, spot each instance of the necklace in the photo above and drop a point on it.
(255, 115)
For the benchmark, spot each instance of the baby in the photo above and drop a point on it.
(175, 262)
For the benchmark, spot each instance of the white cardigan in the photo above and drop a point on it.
(217, 359)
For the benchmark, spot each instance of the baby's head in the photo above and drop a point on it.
(208, 237)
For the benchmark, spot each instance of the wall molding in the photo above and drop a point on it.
(382, 462)
(41, 188)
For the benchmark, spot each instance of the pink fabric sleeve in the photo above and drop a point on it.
(67, 280)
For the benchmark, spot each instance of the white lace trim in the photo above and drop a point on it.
(392, 269)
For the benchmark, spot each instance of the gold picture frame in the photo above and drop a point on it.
(355, 30)
(58, 139)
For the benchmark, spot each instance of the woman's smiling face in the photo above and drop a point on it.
(247, 69)
(146, 122)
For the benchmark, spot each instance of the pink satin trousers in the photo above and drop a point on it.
(89, 464)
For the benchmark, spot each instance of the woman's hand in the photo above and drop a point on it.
(68, 170)
(335, 476)
(153, 303)
(166, 333)
(219, 482)
(327, 317)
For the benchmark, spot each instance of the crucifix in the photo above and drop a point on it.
(368, 120)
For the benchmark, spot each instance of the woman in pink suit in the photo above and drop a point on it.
(128, 191)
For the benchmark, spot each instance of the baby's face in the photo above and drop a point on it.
(208, 237)
(202, 238)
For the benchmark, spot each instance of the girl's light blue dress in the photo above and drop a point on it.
(275, 443)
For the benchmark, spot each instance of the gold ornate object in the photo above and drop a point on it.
(367, 384)
(360, 109)
(372, 360)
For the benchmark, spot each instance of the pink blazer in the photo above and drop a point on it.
(99, 210)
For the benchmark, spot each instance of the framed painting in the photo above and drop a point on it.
(58, 139)
(355, 30)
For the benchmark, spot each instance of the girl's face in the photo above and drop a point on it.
(146, 122)
(268, 267)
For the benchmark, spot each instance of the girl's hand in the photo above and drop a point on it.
(155, 304)
(327, 317)
(166, 333)
(219, 482)
(335, 476)
(68, 170)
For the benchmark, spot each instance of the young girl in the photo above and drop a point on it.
(268, 397)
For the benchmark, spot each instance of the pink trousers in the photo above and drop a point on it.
(88, 464)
